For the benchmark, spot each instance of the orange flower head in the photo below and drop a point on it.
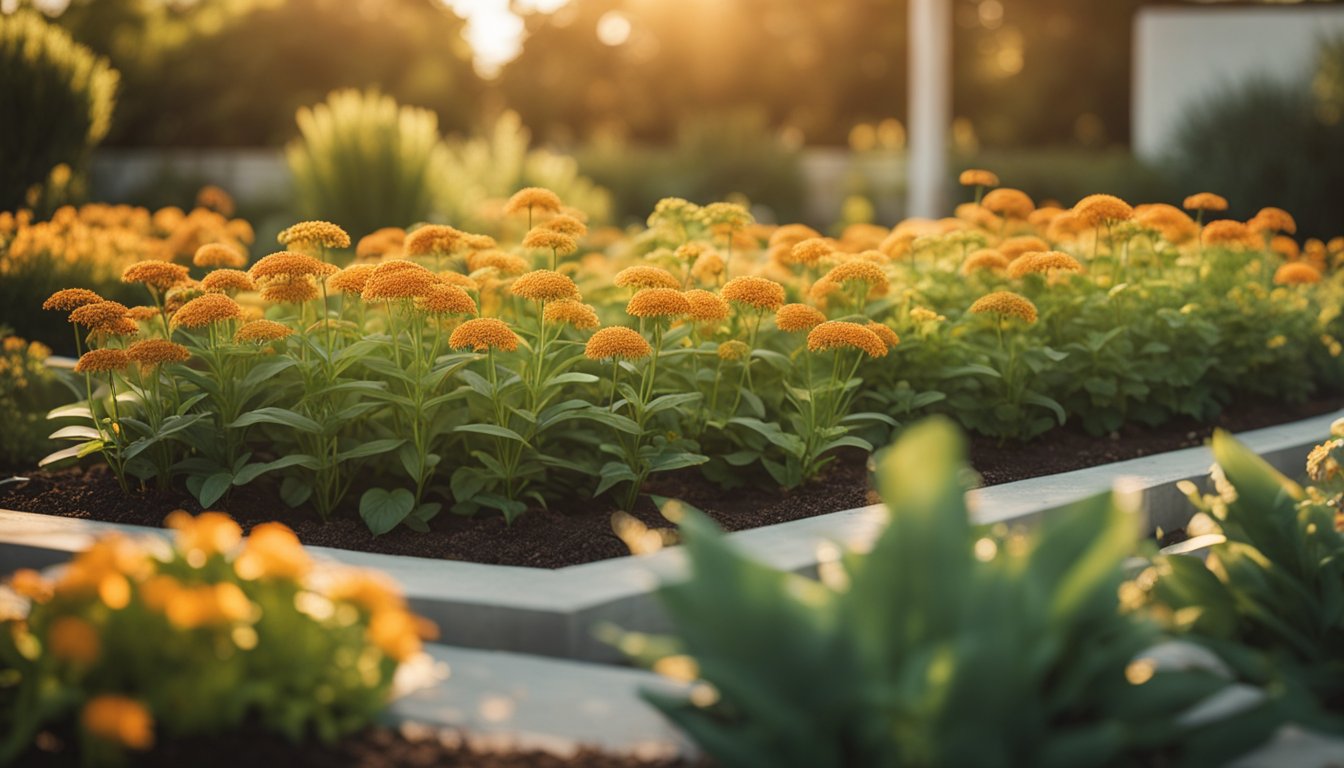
(617, 342)
(314, 233)
(446, 300)
(483, 333)
(433, 239)
(102, 361)
(573, 313)
(160, 275)
(706, 307)
(658, 302)
(975, 177)
(1095, 210)
(1009, 203)
(68, 299)
(1296, 273)
(839, 334)
(118, 720)
(228, 281)
(1205, 201)
(1005, 304)
(207, 309)
(152, 352)
(757, 292)
(545, 285)
(533, 199)
(213, 255)
(792, 318)
(262, 331)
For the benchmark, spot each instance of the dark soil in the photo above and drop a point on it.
(582, 533)
(373, 748)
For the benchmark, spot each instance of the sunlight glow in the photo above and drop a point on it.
(495, 31)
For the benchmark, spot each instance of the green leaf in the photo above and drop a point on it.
(214, 487)
(282, 416)
(614, 472)
(668, 462)
(73, 452)
(848, 441)
(74, 410)
(573, 377)
(76, 432)
(383, 510)
(494, 430)
(1035, 398)
(294, 491)
(971, 369)
(251, 472)
(371, 448)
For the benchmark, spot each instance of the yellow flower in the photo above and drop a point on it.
(574, 313)
(161, 275)
(705, 306)
(395, 633)
(67, 299)
(381, 242)
(809, 252)
(1205, 201)
(1016, 246)
(658, 302)
(102, 571)
(643, 276)
(790, 235)
(1321, 464)
(262, 331)
(985, 259)
(118, 720)
(758, 292)
(1272, 220)
(567, 225)
(1226, 232)
(434, 239)
(707, 267)
(885, 333)
(218, 255)
(483, 333)
(1286, 247)
(446, 300)
(398, 280)
(102, 361)
(1095, 210)
(1005, 304)
(99, 315)
(504, 263)
(311, 233)
(975, 177)
(545, 285)
(1008, 203)
(925, 315)
(228, 281)
(1171, 222)
(859, 271)
(209, 533)
(541, 237)
(370, 591)
(1296, 273)
(617, 341)
(151, 352)
(28, 583)
(216, 199)
(1043, 263)
(207, 309)
(449, 277)
(142, 314)
(734, 350)
(839, 334)
(289, 264)
(352, 279)
(74, 640)
(272, 551)
(533, 199)
(792, 318)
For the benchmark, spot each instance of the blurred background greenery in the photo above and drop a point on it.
(702, 98)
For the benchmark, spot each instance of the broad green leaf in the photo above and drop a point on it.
(382, 510)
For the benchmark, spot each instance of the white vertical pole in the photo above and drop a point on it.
(930, 114)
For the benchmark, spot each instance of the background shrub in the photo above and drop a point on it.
(366, 162)
(58, 98)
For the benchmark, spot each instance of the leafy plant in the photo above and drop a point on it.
(140, 646)
(59, 96)
(939, 646)
(366, 162)
(1273, 579)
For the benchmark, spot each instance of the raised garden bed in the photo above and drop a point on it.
(554, 612)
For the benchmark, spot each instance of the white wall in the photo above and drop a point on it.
(1183, 54)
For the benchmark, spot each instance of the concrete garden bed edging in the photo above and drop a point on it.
(554, 612)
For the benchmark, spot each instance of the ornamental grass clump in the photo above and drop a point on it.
(136, 644)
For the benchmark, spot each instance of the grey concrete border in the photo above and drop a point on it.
(553, 613)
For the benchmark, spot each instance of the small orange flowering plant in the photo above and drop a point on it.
(431, 368)
(138, 642)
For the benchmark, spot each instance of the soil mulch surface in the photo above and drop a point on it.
(582, 533)
(373, 748)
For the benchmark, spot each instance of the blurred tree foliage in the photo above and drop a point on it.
(1026, 73)
(234, 72)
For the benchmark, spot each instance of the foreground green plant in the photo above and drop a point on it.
(939, 646)
(138, 645)
(1274, 578)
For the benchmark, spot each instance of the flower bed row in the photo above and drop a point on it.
(440, 370)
